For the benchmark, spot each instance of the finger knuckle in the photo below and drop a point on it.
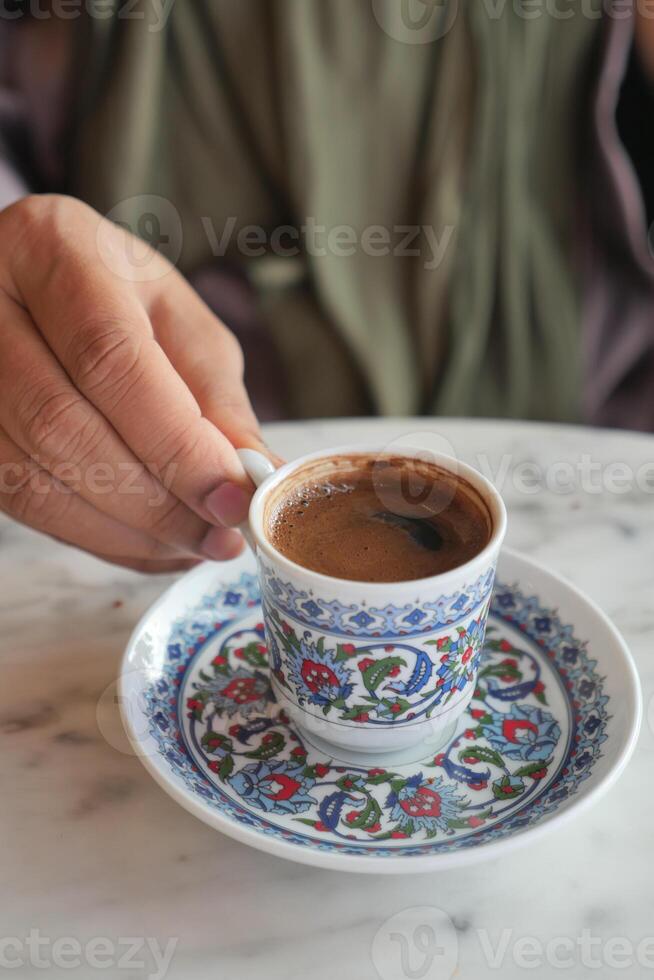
(40, 502)
(105, 358)
(176, 449)
(49, 417)
(168, 522)
(40, 217)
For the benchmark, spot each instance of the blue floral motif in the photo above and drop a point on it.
(281, 788)
(244, 692)
(316, 674)
(459, 665)
(424, 806)
(384, 622)
(585, 734)
(525, 732)
(391, 683)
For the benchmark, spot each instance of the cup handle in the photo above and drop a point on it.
(258, 467)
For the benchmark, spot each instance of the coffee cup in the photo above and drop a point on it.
(372, 667)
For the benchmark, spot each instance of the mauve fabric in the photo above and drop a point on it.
(619, 287)
(321, 371)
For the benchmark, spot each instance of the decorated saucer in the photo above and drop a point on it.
(552, 723)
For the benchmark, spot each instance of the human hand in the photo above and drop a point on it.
(121, 401)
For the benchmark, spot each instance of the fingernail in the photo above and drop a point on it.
(221, 544)
(228, 504)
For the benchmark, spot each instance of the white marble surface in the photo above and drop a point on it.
(91, 847)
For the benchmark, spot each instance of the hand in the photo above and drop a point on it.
(121, 402)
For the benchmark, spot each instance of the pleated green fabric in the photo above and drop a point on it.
(310, 112)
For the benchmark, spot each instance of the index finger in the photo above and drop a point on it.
(99, 330)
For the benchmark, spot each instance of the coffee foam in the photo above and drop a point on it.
(331, 516)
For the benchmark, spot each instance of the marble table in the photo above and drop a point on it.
(94, 856)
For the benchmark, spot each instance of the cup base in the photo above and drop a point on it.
(423, 749)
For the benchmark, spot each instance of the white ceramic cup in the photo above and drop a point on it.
(372, 667)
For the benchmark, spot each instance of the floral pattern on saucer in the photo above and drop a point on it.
(530, 736)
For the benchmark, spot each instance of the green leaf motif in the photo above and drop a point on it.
(368, 817)
(358, 709)
(533, 767)
(442, 647)
(253, 656)
(226, 767)
(212, 741)
(380, 777)
(503, 790)
(501, 670)
(374, 674)
(347, 782)
(481, 754)
(268, 749)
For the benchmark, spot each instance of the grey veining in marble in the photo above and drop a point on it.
(91, 847)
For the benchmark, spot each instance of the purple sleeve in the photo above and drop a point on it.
(618, 306)
(13, 183)
(35, 62)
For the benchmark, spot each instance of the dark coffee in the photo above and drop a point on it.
(377, 519)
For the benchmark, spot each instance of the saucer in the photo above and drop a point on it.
(552, 723)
